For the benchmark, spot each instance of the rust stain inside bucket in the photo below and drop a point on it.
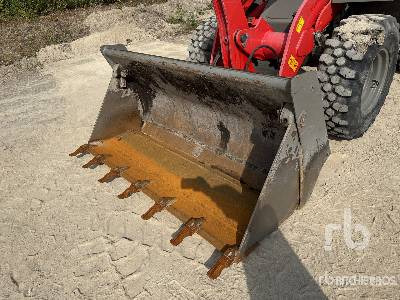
(199, 191)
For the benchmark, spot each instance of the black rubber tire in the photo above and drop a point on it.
(391, 8)
(344, 69)
(202, 40)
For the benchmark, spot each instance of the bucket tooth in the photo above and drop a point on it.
(95, 161)
(113, 174)
(84, 149)
(225, 261)
(158, 207)
(188, 229)
(134, 188)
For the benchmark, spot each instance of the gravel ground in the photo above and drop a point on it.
(64, 235)
(22, 38)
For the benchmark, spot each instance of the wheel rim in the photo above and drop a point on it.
(375, 82)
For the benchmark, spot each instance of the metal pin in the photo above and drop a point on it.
(84, 149)
(191, 227)
(113, 174)
(134, 188)
(95, 161)
(225, 261)
(158, 207)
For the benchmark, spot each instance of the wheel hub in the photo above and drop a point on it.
(375, 81)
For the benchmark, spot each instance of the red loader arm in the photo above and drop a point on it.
(243, 34)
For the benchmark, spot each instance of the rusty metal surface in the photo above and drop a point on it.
(84, 149)
(158, 207)
(231, 154)
(95, 161)
(200, 192)
(113, 174)
(225, 119)
(191, 227)
(227, 258)
(135, 187)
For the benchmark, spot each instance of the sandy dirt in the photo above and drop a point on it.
(362, 33)
(63, 235)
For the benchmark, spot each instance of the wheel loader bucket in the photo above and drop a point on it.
(231, 154)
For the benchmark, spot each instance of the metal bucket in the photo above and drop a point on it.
(231, 154)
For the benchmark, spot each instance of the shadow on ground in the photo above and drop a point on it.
(274, 271)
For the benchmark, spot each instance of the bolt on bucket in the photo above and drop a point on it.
(231, 154)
